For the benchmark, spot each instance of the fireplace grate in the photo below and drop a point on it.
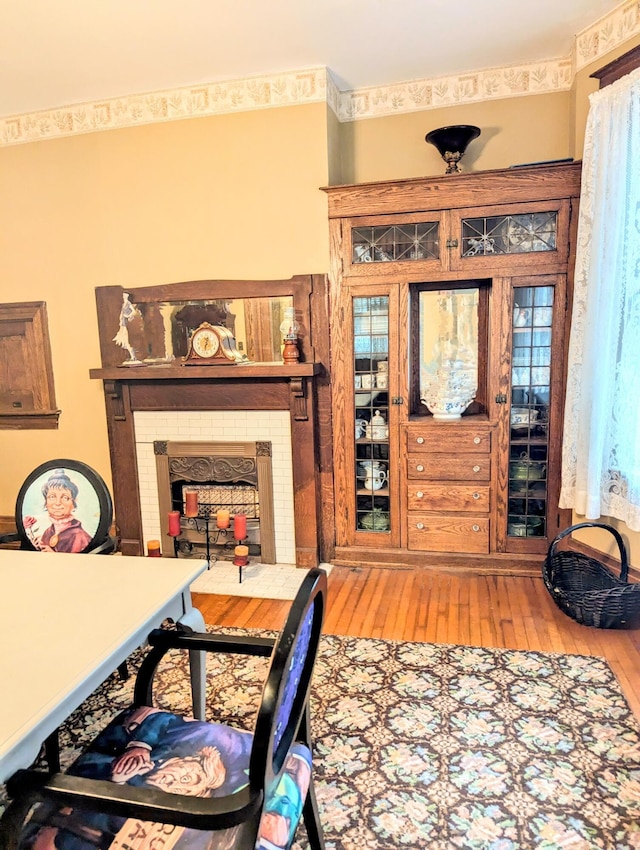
(236, 498)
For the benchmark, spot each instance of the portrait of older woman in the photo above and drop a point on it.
(61, 510)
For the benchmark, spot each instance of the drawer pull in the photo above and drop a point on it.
(476, 440)
(475, 527)
(476, 468)
(420, 440)
(419, 495)
(420, 468)
(420, 525)
(476, 495)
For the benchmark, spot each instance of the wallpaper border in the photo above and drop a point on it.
(316, 85)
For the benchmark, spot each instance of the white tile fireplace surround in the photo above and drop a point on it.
(272, 426)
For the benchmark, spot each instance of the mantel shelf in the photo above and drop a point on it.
(231, 372)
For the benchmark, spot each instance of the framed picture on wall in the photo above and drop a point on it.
(64, 506)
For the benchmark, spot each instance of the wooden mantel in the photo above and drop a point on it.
(302, 388)
(229, 372)
(211, 376)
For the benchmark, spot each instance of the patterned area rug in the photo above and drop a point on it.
(441, 747)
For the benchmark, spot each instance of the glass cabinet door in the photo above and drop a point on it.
(529, 413)
(371, 413)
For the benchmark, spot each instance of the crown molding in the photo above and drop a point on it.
(316, 85)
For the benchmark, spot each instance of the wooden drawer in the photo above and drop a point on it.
(448, 533)
(448, 439)
(448, 497)
(449, 467)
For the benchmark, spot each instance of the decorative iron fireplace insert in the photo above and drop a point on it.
(232, 476)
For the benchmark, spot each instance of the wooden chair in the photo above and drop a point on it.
(153, 778)
(64, 506)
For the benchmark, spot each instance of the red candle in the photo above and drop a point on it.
(153, 549)
(240, 526)
(191, 503)
(174, 523)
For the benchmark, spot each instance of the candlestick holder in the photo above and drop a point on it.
(207, 523)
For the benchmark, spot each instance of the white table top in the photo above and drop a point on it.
(66, 623)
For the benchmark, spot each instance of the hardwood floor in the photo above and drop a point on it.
(417, 605)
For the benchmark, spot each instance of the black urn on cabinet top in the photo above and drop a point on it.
(452, 143)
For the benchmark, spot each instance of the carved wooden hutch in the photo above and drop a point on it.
(469, 273)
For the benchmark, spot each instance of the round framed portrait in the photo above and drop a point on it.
(64, 506)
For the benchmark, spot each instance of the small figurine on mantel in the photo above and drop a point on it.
(128, 312)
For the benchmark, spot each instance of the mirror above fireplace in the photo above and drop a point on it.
(151, 326)
(161, 329)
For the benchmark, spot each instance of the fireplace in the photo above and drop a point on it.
(224, 476)
(287, 404)
(263, 438)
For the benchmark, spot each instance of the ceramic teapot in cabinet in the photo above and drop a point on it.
(368, 467)
(378, 428)
(376, 478)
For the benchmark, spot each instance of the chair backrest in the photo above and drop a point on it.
(286, 690)
(64, 506)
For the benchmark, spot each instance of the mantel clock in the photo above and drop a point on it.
(211, 345)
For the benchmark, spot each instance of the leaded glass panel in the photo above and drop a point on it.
(529, 414)
(383, 244)
(371, 413)
(523, 233)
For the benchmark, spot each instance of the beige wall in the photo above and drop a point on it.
(514, 131)
(228, 197)
(334, 157)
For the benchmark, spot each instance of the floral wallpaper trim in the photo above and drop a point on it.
(315, 85)
(621, 24)
(515, 81)
(286, 89)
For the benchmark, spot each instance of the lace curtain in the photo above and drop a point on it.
(601, 445)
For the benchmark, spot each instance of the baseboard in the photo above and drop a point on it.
(403, 559)
(351, 556)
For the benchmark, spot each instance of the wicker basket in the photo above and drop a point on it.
(587, 590)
